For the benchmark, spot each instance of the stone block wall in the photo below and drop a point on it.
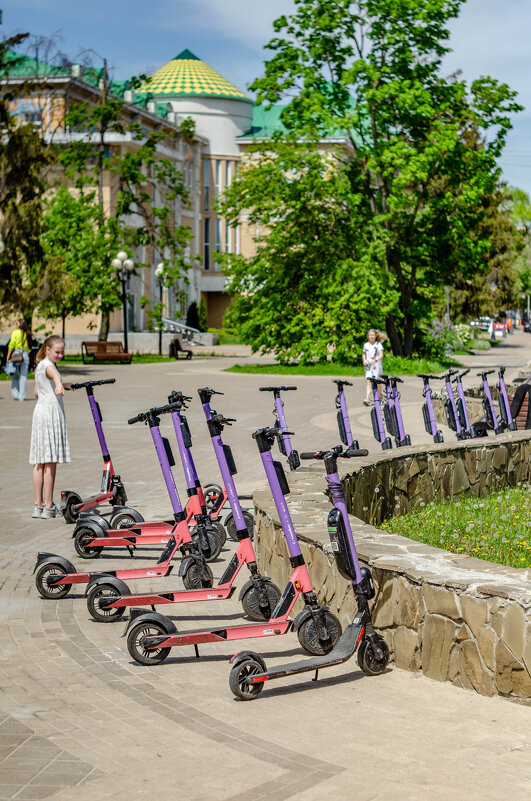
(453, 617)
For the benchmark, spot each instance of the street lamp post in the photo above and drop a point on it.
(159, 272)
(123, 266)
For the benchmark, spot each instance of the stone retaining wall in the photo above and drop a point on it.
(453, 617)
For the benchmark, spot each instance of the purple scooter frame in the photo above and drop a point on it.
(430, 423)
(378, 426)
(505, 406)
(488, 404)
(343, 422)
(452, 415)
(284, 443)
(249, 671)
(393, 412)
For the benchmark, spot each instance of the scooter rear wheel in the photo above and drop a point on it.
(69, 515)
(251, 605)
(231, 525)
(126, 519)
(309, 638)
(96, 611)
(141, 654)
(44, 588)
(83, 536)
(367, 659)
(192, 578)
(239, 679)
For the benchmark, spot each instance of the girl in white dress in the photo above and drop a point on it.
(373, 353)
(49, 437)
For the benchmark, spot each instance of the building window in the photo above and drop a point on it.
(206, 244)
(218, 177)
(227, 174)
(227, 237)
(206, 185)
(218, 234)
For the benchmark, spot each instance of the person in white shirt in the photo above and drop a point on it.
(373, 354)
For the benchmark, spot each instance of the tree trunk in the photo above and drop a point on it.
(394, 337)
(63, 317)
(105, 325)
(408, 336)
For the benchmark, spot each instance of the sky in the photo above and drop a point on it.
(490, 37)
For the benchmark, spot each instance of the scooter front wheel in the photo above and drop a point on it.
(220, 531)
(213, 544)
(192, 579)
(81, 540)
(251, 602)
(212, 493)
(138, 651)
(309, 637)
(44, 589)
(369, 662)
(98, 612)
(240, 676)
(231, 525)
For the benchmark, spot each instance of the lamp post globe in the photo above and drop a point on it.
(159, 272)
(123, 266)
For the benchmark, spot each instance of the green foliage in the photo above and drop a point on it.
(374, 235)
(464, 333)
(202, 320)
(395, 365)
(495, 528)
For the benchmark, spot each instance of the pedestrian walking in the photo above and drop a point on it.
(49, 436)
(373, 354)
(18, 351)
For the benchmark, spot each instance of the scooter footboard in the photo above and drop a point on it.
(339, 542)
(450, 415)
(341, 427)
(427, 422)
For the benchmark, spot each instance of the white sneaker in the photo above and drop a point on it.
(37, 511)
(49, 512)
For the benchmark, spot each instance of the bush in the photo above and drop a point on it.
(439, 340)
(192, 316)
(480, 344)
(202, 316)
(464, 333)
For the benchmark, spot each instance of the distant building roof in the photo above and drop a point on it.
(186, 74)
(266, 122)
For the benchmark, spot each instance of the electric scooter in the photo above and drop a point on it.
(505, 406)
(249, 671)
(488, 404)
(378, 426)
(430, 423)
(91, 537)
(258, 596)
(284, 442)
(450, 407)
(55, 575)
(205, 395)
(112, 489)
(392, 411)
(343, 422)
(151, 636)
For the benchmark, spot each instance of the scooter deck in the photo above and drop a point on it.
(344, 648)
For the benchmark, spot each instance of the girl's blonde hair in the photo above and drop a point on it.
(380, 337)
(48, 343)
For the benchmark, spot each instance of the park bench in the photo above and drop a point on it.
(98, 352)
(176, 347)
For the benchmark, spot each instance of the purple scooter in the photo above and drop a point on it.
(284, 442)
(488, 404)
(378, 426)
(343, 422)
(430, 423)
(450, 407)
(249, 671)
(505, 406)
(392, 411)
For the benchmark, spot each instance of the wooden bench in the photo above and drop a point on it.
(98, 352)
(176, 347)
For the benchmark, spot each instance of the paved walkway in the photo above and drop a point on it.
(77, 713)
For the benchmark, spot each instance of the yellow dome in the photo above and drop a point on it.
(188, 75)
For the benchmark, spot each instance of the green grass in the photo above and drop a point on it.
(393, 365)
(496, 528)
(226, 336)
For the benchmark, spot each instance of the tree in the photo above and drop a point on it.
(403, 202)
(23, 162)
(202, 318)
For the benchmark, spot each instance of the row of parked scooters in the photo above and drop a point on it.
(197, 534)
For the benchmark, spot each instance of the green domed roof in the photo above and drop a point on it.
(186, 74)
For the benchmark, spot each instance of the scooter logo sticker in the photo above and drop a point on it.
(267, 631)
(209, 597)
(151, 573)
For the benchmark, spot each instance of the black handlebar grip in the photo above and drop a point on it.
(315, 455)
(136, 419)
(351, 452)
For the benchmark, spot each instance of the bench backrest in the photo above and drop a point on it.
(93, 348)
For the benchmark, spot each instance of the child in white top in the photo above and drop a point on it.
(373, 354)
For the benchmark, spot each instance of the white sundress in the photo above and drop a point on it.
(49, 437)
(371, 351)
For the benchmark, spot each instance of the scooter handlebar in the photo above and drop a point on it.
(272, 432)
(353, 452)
(485, 372)
(84, 384)
(349, 453)
(224, 421)
(156, 411)
(340, 381)
(275, 389)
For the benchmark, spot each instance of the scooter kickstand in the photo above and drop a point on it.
(316, 675)
(196, 651)
(130, 550)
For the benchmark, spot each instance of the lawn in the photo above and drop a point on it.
(496, 528)
(393, 365)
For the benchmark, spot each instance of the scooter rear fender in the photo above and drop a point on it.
(241, 656)
(53, 559)
(185, 565)
(117, 583)
(93, 517)
(139, 615)
(95, 523)
(247, 586)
